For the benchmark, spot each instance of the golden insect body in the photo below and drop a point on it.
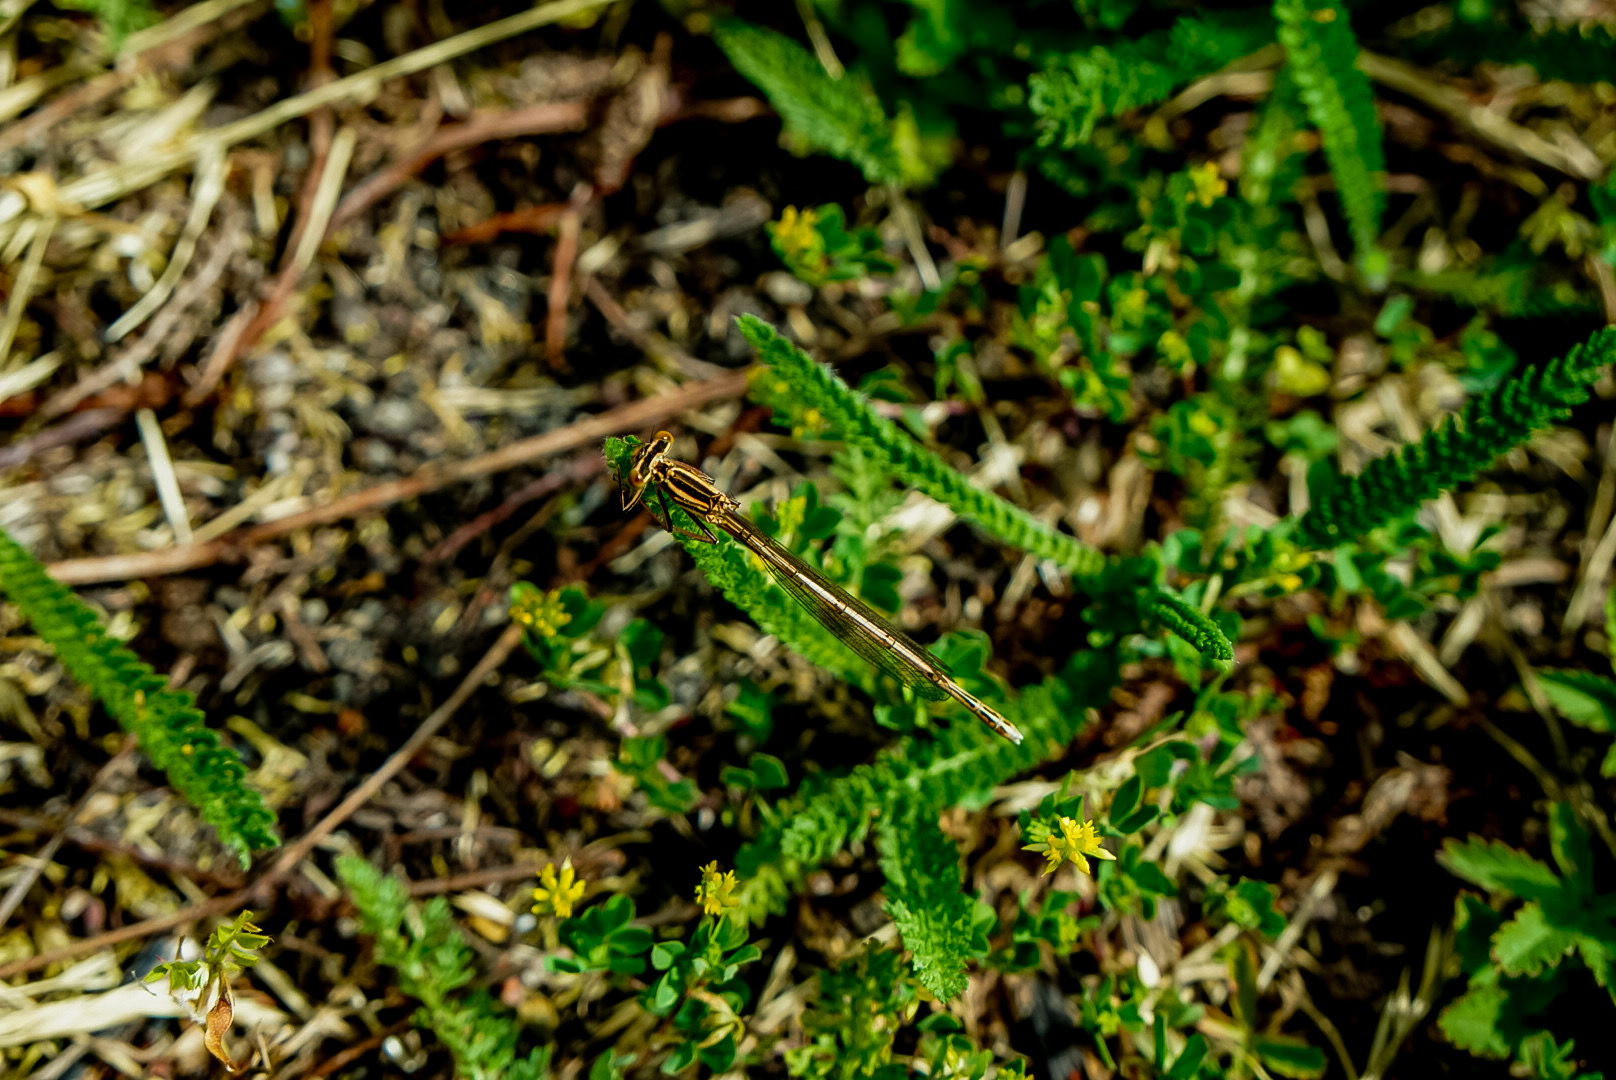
(655, 478)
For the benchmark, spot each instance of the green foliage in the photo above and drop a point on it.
(854, 1018)
(841, 117)
(641, 759)
(1587, 698)
(119, 18)
(1490, 425)
(1405, 568)
(1514, 962)
(1049, 926)
(925, 900)
(817, 246)
(1576, 51)
(1248, 904)
(1074, 92)
(817, 387)
(1321, 57)
(925, 776)
(560, 637)
(701, 991)
(602, 939)
(1547, 1058)
(231, 949)
(172, 731)
(432, 961)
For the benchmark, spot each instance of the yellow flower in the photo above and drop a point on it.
(1209, 183)
(541, 612)
(1174, 352)
(798, 242)
(558, 892)
(1075, 840)
(715, 889)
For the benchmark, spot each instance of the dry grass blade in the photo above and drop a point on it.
(108, 184)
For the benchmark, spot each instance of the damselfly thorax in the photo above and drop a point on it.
(655, 478)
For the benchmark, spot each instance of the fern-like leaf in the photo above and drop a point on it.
(841, 117)
(923, 776)
(1188, 622)
(925, 900)
(1075, 92)
(1322, 54)
(433, 960)
(732, 571)
(817, 387)
(172, 731)
(1345, 508)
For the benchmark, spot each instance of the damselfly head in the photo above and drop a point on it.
(647, 460)
(648, 457)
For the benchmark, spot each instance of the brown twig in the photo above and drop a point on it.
(560, 294)
(572, 472)
(225, 349)
(84, 425)
(322, 124)
(297, 852)
(546, 119)
(433, 477)
(477, 879)
(133, 932)
(540, 218)
(653, 345)
(340, 1061)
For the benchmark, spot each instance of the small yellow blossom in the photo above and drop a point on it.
(1174, 353)
(798, 242)
(541, 612)
(1075, 840)
(1209, 183)
(715, 890)
(558, 892)
(1202, 423)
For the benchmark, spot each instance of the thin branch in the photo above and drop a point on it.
(432, 477)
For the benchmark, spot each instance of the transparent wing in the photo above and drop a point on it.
(856, 624)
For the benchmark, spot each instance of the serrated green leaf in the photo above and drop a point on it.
(925, 900)
(1585, 699)
(1529, 942)
(841, 117)
(1497, 866)
(1597, 957)
(1568, 841)
(1471, 1023)
(1547, 1058)
(1474, 923)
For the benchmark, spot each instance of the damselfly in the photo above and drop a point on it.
(655, 478)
